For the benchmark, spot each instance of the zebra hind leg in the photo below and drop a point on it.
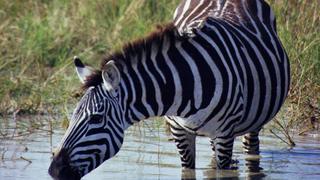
(185, 143)
(212, 145)
(251, 142)
(223, 152)
(213, 160)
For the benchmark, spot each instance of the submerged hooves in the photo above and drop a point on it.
(232, 166)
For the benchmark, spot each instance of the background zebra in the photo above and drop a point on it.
(218, 71)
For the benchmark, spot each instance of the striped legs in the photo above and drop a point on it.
(223, 151)
(250, 146)
(186, 145)
(223, 148)
(250, 143)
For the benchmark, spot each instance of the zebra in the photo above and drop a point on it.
(218, 70)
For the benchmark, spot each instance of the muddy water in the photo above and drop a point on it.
(147, 154)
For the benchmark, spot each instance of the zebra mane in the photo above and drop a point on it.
(93, 80)
(136, 46)
(131, 48)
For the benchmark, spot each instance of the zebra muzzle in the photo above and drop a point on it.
(60, 168)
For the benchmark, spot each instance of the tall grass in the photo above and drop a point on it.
(38, 39)
(298, 28)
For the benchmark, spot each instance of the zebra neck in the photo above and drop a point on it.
(149, 86)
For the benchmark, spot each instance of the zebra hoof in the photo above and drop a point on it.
(233, 165)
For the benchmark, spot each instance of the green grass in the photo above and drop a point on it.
(298, 28)
(38, 39)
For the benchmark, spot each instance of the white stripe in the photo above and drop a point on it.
(176, 79)
(124, 98)
(203, 11)
(185, 8)
(252, 21)
(186, 109)
(197, 89)
(259, 13)
(190, 14)
(133, 92)
(156, 86)
(154, 52)
(143, 86)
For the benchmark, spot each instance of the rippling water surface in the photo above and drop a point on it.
(147, 154)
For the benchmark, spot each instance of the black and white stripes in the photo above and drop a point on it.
(219, 70)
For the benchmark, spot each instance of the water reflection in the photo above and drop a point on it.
(252, 167)
(252, 171)
(188, 174)
(221, 174)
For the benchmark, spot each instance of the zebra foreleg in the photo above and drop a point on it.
(251, 142)
(223, 152)
(185, 143)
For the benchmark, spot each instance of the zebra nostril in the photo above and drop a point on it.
(54, 151)
(53, 154)
(61, 157)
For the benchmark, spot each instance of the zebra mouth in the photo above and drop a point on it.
(64, 173)
(61, 170)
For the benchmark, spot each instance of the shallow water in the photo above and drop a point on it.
(147, 154)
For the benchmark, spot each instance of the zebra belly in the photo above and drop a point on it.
(222, 123)
(214, 127)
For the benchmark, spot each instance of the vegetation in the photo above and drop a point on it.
(38, 39)
(298, 28)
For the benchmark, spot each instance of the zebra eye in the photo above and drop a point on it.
(96, 119)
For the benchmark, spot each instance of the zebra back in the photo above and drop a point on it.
(191, 14)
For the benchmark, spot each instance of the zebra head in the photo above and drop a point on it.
(96, 129)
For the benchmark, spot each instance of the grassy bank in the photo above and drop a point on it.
(39, 38)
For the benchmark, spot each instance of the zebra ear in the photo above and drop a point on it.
(82, 70)
(111, 76)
